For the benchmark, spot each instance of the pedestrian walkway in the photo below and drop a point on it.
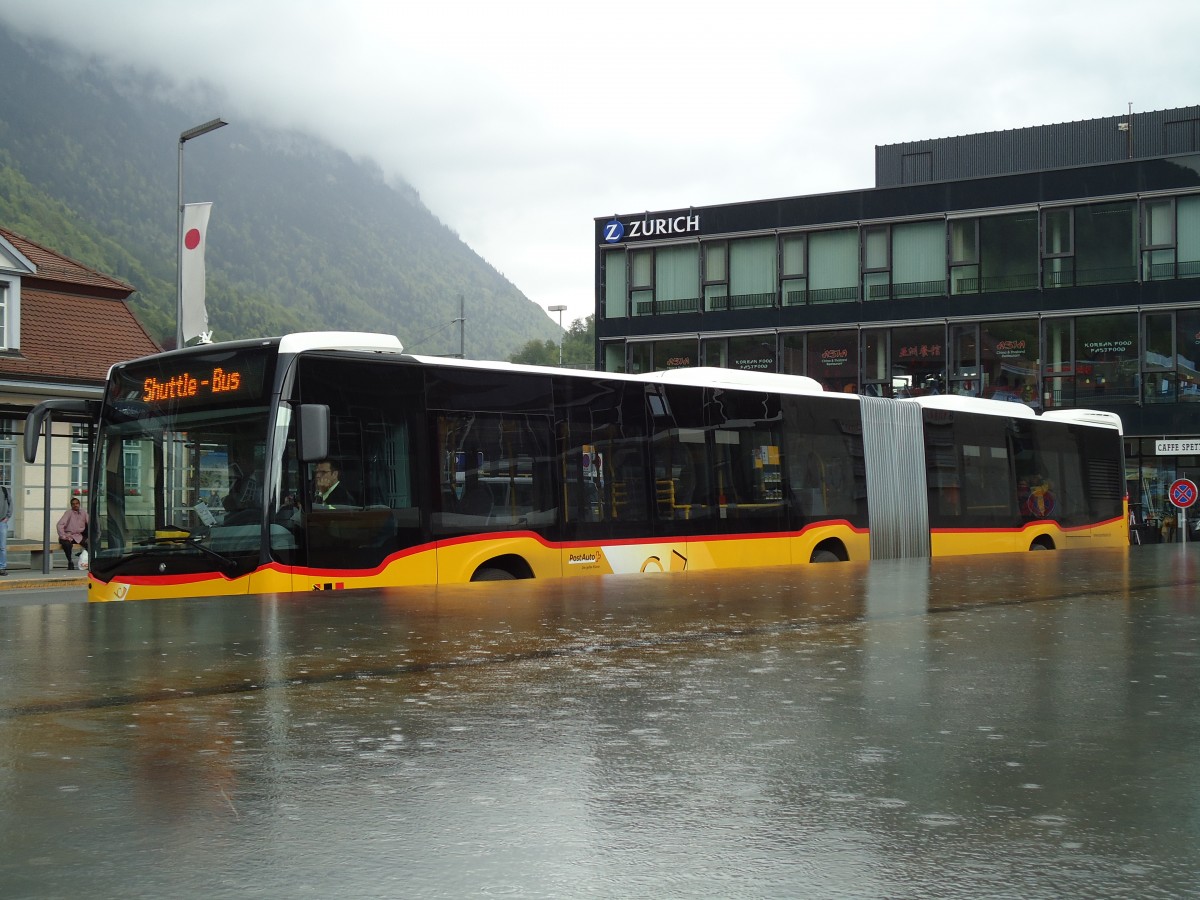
(36, 578)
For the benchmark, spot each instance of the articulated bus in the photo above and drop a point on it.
(456, 470)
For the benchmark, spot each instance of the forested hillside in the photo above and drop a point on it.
(301, 236)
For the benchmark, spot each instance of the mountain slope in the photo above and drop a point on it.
(302, 236)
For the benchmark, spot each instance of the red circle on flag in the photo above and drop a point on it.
(191, 240)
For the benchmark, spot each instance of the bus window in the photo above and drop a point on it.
(373, 446)
(823, 460)
(494, 472)
(604, 470)
(750, 459)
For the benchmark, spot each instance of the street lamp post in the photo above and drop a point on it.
(183, 139)
(560, 309)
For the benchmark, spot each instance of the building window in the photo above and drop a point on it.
(8, 444)
(904, 260)
(4, 297)
(79, 460)
(832, 359)
(793, 286)
(716, 275)
(749, 352)
(876, 262)
(677, 279)
(1158, 239)
(753, 275)
(1170, 367)
(833, 266)
(614, 356)
(918, 259)
(1187, 236)
(664, 280)
(1008, 257)
(657, 356)
(1106, 359)
(997, 360)
(1094, 244)
(1058, 364)
(963, 240)
(641, 282)
(1170, 238)
(1090, 360)
(904, 362)
(1058, 249)
(1105, 243)
(616, 305)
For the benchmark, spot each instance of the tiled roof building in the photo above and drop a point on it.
(62, 325)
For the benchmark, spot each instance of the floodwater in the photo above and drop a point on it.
(1010, 726)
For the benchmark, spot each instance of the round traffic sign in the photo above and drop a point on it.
(1183, 492)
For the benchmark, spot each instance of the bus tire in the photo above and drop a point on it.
(1041, 544)
(488, 573)
(824, 556)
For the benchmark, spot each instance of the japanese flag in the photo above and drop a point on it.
(193, 313)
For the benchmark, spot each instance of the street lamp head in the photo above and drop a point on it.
(201, 129)
(557, 308)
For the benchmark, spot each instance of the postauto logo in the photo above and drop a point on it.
(615, 230)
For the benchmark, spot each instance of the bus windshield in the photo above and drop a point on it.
(181, 465)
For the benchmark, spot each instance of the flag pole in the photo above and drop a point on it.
(186, 136)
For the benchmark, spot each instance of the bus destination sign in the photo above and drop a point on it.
(186, 386)
(219, 378)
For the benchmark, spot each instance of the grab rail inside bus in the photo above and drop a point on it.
(37, 415)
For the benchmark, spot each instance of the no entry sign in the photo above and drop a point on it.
(1183, 492)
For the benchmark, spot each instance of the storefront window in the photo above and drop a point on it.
(833, 360)
(1009, 353)
(918, 360)
(1106, 359)
(679, 354)
(1058, 363)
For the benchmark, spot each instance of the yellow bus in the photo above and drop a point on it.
(456, 470)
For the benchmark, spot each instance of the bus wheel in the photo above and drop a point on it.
(1041, 545)
(487, 574)
(825, 556)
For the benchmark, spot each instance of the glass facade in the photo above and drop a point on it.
(995, 288)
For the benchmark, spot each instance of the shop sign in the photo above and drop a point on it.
(1010, 349)
(1099, 347)
(834, 357)
(1176, 448)
(615, 230)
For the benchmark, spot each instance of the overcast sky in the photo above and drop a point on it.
(520, 122)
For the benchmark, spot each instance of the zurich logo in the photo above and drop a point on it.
(613, 231)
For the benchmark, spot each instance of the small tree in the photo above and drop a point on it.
(578, 348)
(537, 353)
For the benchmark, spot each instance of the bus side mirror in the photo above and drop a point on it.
(314, 432)
(37, 417)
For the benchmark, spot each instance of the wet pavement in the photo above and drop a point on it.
(1008, 726)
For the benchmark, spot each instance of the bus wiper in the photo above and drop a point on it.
(177, 534)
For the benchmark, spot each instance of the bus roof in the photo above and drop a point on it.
(715, 376)
(982, 405)
(339, 340)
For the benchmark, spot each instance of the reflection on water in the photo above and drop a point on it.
(1012, 726)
